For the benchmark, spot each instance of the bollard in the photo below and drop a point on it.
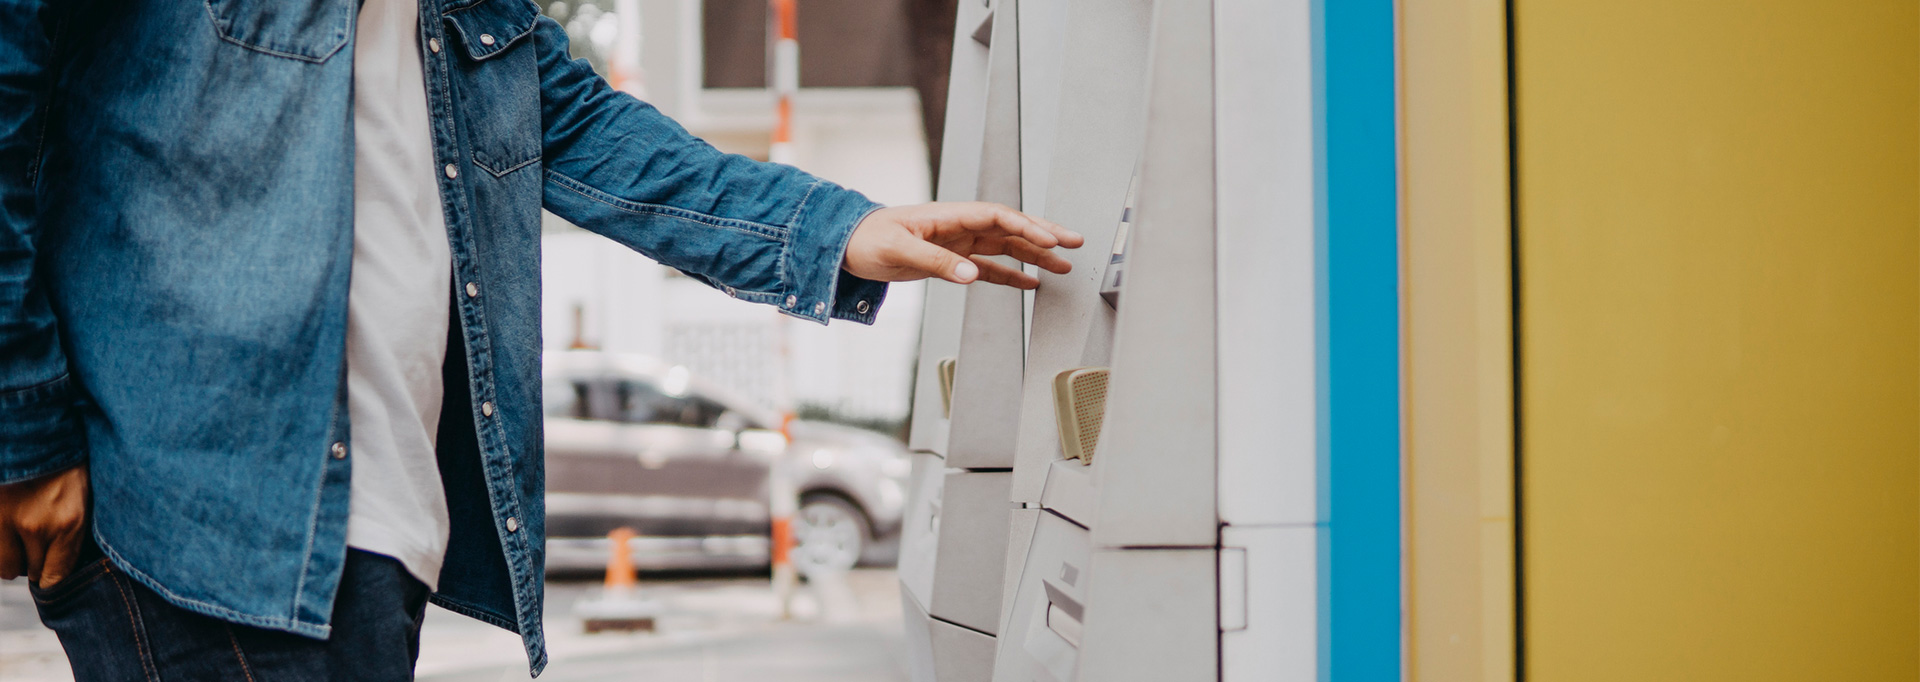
(619, 606)
(785, 79)
(622, 576)
(783, 22)
(782, 504)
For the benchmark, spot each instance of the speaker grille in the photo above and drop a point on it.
(1080, 407)
(946, 386)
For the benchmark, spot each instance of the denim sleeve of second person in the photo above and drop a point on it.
(40, 430)
(761, 232)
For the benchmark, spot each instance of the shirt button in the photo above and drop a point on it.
(486, 408)
(434, 45)
(820, 308)
(473, 290)
(452, 172)
(339, 450)
(860, 307)
(486, 39)
(791, 301)
(513, 524)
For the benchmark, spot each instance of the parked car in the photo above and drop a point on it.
(633, 442)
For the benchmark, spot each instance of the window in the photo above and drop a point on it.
(702, 412)
(565, 398)
(843, 43)
(630, 401)
(641, 403)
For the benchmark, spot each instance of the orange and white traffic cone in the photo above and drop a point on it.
(619, 606)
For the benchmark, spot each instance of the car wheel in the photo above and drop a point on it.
(829, 534)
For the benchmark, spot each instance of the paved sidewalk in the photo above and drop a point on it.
(712, 630)
(28, 652)
(718, 630)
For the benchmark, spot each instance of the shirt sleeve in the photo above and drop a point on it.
(761, 232)
(40, 430)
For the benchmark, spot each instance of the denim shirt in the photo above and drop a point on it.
(175, 244)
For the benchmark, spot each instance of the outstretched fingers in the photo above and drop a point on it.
(997, 273)
(1041, 233)
(1026, 252)
(991, 218)
(924, 256)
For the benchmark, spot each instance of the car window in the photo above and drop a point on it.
(639, 402)
(702, 412)
(565, 398)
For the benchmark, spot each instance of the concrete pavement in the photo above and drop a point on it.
(714, 629)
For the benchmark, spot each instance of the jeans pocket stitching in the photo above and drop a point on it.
(239, 655)
(147, 664)
(73, 585)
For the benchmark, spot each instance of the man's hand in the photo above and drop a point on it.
(42, 522)
(950, 241)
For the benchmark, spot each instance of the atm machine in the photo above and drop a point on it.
(1119, 478)
(954, 537)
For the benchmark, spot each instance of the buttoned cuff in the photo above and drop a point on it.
(40, 431)
(818, 288)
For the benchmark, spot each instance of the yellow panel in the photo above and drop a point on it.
(1720, 339)
(1458, 326)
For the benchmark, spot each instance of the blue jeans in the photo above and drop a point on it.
(114, 628)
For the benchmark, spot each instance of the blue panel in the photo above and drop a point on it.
(1358, 230)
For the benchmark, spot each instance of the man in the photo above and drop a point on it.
(269, 291)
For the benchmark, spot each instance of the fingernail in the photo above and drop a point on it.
(966, 271)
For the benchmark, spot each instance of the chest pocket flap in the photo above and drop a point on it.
(309, 31)
(485, 28)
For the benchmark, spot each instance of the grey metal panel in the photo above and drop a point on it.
(1058, 555)
(1151, 616)
(940, 321)
(974, 522)
(959, 654)
(1000, 150)
(1071, 492)
(1019, 536)
(1276, 633)
(1093, 154)
(920, 526)
(992, 338)
(1155, 466)
(1041, 52)
(918, 626)
(959, 180)
(1263, 95)
(966, 109)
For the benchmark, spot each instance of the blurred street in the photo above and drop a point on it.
(715, 629)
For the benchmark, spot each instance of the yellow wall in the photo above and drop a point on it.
(1720, 361)
(1458, 323)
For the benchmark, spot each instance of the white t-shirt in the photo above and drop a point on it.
(398, 303)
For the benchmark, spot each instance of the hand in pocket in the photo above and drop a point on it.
(42, 524)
